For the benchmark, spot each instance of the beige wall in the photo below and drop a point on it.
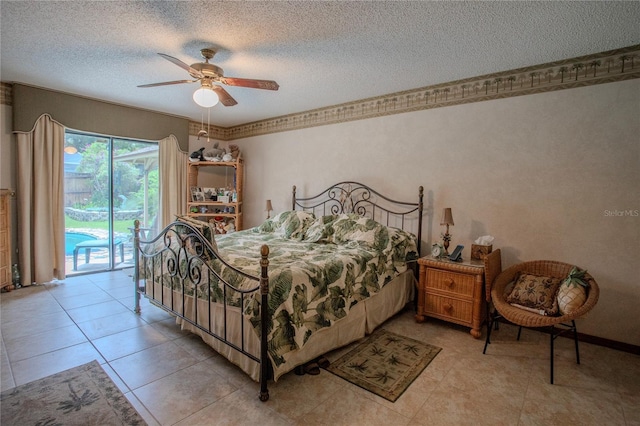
(92, 115)
(542, 173)
(7, 149)
(7, 169)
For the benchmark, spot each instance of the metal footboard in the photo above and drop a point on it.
(179, 267)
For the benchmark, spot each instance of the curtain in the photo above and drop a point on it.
(173, 180)
(40, 180)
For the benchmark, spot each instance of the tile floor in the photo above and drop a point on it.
(172, 378)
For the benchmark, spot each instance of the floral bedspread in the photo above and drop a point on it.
(319, 268)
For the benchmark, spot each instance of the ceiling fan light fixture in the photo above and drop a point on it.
(205, 97)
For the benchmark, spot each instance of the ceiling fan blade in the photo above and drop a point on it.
(192, 71)
(225, 97)
(166, 83)
(254, 84)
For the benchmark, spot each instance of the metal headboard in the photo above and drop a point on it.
(355, 197)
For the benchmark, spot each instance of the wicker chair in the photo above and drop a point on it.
(492, 268)
(556, 325)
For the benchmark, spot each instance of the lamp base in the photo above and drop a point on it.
(445, 241)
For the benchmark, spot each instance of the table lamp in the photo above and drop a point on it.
(447, 219)
(269, 209)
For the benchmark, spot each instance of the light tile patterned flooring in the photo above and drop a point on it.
(172, 378)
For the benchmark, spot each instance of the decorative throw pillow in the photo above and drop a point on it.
(535, 291)
(573, 291)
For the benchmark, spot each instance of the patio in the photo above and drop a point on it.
(99, 256)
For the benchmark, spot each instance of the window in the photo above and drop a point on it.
(108, 183)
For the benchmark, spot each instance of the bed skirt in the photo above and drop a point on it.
(362, 319)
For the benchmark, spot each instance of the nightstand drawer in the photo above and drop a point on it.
(447, 308)
(451, 282)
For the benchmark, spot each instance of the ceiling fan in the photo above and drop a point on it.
(208, 74)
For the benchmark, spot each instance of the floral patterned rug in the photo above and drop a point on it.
(83, 395)
(385, 363)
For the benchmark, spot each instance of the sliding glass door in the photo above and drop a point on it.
(109, 182)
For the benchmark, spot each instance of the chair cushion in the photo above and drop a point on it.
(536, 292)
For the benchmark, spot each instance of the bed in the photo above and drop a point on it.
(319, 276)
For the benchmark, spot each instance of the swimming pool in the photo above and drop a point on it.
(73, 238)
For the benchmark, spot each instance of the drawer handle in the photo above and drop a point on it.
(447, 307)
(448, 282)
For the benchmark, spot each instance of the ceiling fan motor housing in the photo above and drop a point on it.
(208, 70)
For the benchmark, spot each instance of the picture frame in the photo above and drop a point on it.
(196, 194)
(210, 194)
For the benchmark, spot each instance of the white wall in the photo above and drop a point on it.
(542, 173)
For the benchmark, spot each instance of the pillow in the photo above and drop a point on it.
(572, 293)
(535, 291)
(266, 227)
(402, 245)
(320, 230)
(362, 230)
(292, 224)
(571, 298)
(206, 229)
(273, 224)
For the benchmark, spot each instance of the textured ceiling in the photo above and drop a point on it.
(320, 53)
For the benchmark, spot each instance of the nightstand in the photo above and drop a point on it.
(452, 291)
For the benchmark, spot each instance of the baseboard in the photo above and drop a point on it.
(586, 338)
(595, 340)
(608, 343)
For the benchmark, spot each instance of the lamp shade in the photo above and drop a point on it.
(269, 206)
(447, 217)
(205, 97)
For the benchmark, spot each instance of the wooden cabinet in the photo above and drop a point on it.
(452, 291)
(5, 240)
(222, 208)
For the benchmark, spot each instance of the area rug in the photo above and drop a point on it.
(83, 395)
(385, 363)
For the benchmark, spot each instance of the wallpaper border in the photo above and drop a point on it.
(6, 93)
(598, 68)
